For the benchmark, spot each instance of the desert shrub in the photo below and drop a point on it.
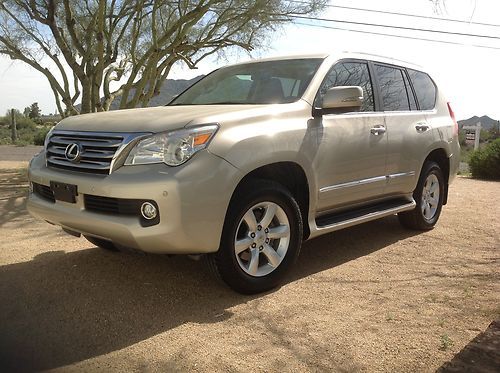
(39, 137)
(25, 123)
(27, 132)
(21, 122)
(461, 138)
(485, 163)
(4, 133)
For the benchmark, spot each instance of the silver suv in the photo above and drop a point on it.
(252, 160)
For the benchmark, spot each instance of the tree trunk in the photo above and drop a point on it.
(86, 96)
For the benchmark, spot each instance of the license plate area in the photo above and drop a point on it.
(64, 192)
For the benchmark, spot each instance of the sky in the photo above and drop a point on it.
(469, 75)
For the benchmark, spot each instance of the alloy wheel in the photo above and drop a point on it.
(430, 197)
(262, 239)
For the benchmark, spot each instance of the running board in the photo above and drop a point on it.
(334, 222)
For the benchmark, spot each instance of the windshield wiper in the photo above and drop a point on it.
(228, 103)
(216, 103)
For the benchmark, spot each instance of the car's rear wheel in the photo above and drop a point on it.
(428, 195)
(261, 238)
(103, 244)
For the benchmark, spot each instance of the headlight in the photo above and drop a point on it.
(172, 148)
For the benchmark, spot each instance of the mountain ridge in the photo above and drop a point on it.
(170, 88)
(486, 122)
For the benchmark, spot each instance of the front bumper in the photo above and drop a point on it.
(192, 201)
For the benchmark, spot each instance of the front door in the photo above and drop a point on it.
(351, 160)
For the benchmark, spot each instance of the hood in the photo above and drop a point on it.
(164, 118)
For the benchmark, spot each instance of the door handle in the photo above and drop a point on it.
(421, 127)
(378, 130)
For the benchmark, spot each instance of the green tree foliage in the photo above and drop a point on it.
(34, 111)
(126, 48)
(485, 163)
(485, 135)
(495, 131)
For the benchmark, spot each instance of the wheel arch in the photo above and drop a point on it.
(290, 175)
(440, 156)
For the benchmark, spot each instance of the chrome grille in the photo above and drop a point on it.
(96, 151)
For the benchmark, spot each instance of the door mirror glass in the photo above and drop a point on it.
(343, 97)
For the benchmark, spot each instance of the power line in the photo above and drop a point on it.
(401, 14)
(396, 36)
(393, 26)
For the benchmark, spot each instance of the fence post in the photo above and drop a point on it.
(478, 135)
(13, 125)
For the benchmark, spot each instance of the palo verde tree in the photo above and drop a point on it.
(97, 51)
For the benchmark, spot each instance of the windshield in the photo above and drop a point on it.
(268, 82)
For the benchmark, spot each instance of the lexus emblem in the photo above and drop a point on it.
(73, 152)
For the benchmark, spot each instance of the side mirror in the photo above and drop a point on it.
(343, 97)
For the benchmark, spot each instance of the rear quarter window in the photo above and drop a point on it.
(424, 89)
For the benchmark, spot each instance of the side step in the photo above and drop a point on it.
(346, 219)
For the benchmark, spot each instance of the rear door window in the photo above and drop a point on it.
(409, 91)
(393, 94)
(424, 89)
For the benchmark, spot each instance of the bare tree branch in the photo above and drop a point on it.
(130, 44)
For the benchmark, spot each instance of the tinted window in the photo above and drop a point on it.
(424, 88)
(266, 82)
(290, 86)
(409, 91)
(349, 74)
(392, 88)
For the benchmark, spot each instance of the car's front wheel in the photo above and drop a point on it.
(261, 238)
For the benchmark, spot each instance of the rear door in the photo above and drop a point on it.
(350, 162)
(408, 133)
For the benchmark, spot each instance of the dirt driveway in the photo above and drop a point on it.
(18, 153)
(370, 298)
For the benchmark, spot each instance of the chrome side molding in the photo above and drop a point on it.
(366, 181)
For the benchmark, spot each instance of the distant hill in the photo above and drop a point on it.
(486, 122)
(170, 88)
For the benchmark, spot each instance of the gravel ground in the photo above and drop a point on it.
(482, 354)
(11, 153)
(372, 298)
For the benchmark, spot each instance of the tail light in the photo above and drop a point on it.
(452, 115)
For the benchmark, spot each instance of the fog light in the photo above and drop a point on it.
(148, 211)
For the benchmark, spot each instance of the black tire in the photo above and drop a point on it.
(415, 218)
(103, 244)
(225, 261)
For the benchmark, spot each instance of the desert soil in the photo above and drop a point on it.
(373, 298)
